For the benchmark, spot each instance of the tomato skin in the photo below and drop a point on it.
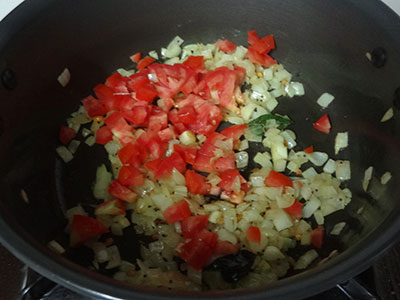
(136, 57)
(253, 234)
(132, 154)
(317, 236)
(197, 183)
(130, 176)
(225, 248)
(152, 142)
(146, 92)
(309, 150)
(103, 135)
(187, 115)
(195, 62)
(235, 131)
(276, 179)
(139, 115)
(83, 228)
(111, 207)
(198, 250)
(192, 225)
(226, 46)
(252, 37)
(94, 107)
(66, 134)
(323, 124)
(122, 192)
(144, 62)
(177, 212)
(188, 153)
(296, 210)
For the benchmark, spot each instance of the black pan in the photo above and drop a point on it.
(323, 43)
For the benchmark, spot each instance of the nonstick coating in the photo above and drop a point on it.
(322, 43)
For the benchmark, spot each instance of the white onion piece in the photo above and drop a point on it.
(386, 177)
(282, 220)
(388, 115)
(263, 159)
(90, 141)
(343, 171)
(337, 229)
(318, 158)
(306, 259)
(242, 159)
(367, 178)
(319, 218)
(73, 146)
(325, 99)
(112, 147)
(311, 207)
(56, 247)
(194, 275)
(103, 180)
(289, 139)
(329, 166)
(243, 145)
(272, 253)
(309, 173)
(64, 77)
(115, 259)
(64, 153)
(125, 73)
(279, 165)
(187, 137)
(214, 216)
(341, 141)
(153, 54)
(225, 235)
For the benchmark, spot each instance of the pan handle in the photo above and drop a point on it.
(355, 290)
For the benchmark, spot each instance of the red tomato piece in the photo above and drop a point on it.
(240, 75)
(66, 134)
(228, 178)
(276, 179)
(168, 164)
(296, 210)
(192, 225)
(153, 165)
(132, 154)
(261, 59)
(84, 228)
(144, 62)
(188, 153)
(252, 37)
(253, 234)
(323, 124)
(146, 92)
(269, 41)
(158, 120)
(225, 248)
(137, 80)
(264, 45)
(235, 131)
(119, 127)
(103, 135)
(198, 250)
(112, 207)
(226, 46)
(177, 212)
(187, 115)
(122, 192)
(196, 183)
(125, 102)
(106, 95)
(203, 163)
(309, 150)
(115, 80)
(195, 62)
(317, 236)
(166, 134)
(94, 107)
(139, 115)
(136, 57)
(226, 162)
(130, 176)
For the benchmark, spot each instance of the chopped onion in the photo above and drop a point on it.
(112, 147)
(388, 115)
(173, 49)
(329, 166)
(114, 257)
(90, 141)
(367, 178)
(282, 220)
(319, 218)
(194, 275)
(325, 99)
(64, 77)
(337, 229)
(73, 146)
(318, 158)
(386, 177)
(343, 171)
(289, 138)
(242, 159)
(103, 180)
(225, 235)
(264, 159)
(341, 141)
(153, 54)
(125, 73)
(214, 216)
(243, 145)
(309, 173)
(187, 137)
(306, 259)
(272, 253)
(56, 247)
(311, 207)
(64, 153)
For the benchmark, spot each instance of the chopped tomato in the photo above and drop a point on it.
(94, 107)
(323, 124)
(226, 162)
(240, 75)
(158, 120)
(261, 59)
(195, 62)
(264, 45)
(66, 134)
(235, 131)
(137, 80)
(203, 163)
(84, 228)
(153, 165)
(103, 135)
(136, 57)
(166, 134)
(132, 154)
(317, 236)
(122, 192)
(168, 164)
(115, 81)
(228, 178)
(276, 179)
(188, 153)
(196, 183)
(139, 115)
(119, 127)
(130, 176)
(177, 212)
(225, 248)
(192, 225)
(187, 115)
(226, 46)
(146, 92)
(198, 250)
(252, 37)
(152, 142)
(296, 210)
(253, 234)
(309, 150)
(144, 62)
(112, 207)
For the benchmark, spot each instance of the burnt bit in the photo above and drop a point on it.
(234, 266)
(396, 100)
(378, 57)
(245, 86)
(9, 79)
